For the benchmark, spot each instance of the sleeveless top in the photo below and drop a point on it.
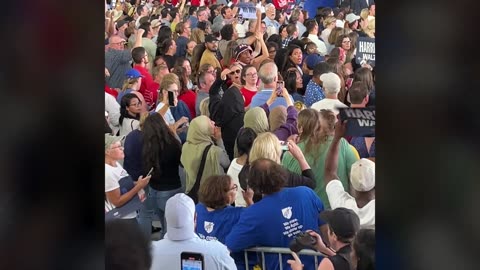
(341, 261)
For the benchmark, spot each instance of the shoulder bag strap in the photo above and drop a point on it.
(193, 192)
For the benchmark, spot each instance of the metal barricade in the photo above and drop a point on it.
(280, 251)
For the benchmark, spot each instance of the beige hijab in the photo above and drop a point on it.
(278, 117)
(198, 137)
(256, 119)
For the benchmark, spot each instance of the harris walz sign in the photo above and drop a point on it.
(360, 121)
(365, 51)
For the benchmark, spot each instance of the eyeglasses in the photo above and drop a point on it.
(123, 42)
(136, 104)
(251, 74)
(235, 71)
(235, 187)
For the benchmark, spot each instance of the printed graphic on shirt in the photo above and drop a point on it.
(208, 226)
(208, 237)
(291, 227)
(287, 212)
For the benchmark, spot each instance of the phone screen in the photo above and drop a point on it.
(171, 100)
(188, 264)
(191, 261)
(279, 88)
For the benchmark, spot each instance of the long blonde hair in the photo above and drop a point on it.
(129, 83)
(370, 28)
(266, 145)
(313, 134)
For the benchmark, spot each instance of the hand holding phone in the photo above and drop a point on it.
(279, 90)
(284, 146)
(171, 99)
(192, 261)
(150, 172)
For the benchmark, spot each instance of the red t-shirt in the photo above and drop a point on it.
(196, 3)
(111, 91)
(248, 95)
(148, 88)
(189, 97)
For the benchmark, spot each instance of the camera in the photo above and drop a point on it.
(301, 241)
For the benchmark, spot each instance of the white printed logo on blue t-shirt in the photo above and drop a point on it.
(287, 212)
(208, 226)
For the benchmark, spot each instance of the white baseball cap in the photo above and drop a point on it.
(362, 175)
(352, 17)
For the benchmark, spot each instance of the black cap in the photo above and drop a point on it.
(202, 25)
(343, 222)
(210, 38)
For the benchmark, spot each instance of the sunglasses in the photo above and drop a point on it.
(235, 71)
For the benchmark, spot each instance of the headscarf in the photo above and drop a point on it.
(198, 138)
(278, 117)
(256, 119)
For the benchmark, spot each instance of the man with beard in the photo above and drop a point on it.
(210, 54)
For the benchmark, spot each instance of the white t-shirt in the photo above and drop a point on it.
(168, 115)
(338, 197)
(113, 109)
(112, 176)
(241, 29)
(321, 47)
(167, 252)
(329, 104)
(233, 172)
(128, 125)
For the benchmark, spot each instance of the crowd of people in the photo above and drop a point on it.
(226, 130)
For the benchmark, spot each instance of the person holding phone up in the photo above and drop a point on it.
(170, 88)
(268, 74)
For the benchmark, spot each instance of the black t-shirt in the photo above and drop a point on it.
(167, 178)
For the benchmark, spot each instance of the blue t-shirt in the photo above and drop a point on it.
(123, 93)
(261, 97)
(275, 220)
(216, 225)
(133, 147)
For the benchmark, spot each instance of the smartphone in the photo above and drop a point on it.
(279, 88)
(171, 99)
(283, 146)
(149, 172)
(192, 261)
